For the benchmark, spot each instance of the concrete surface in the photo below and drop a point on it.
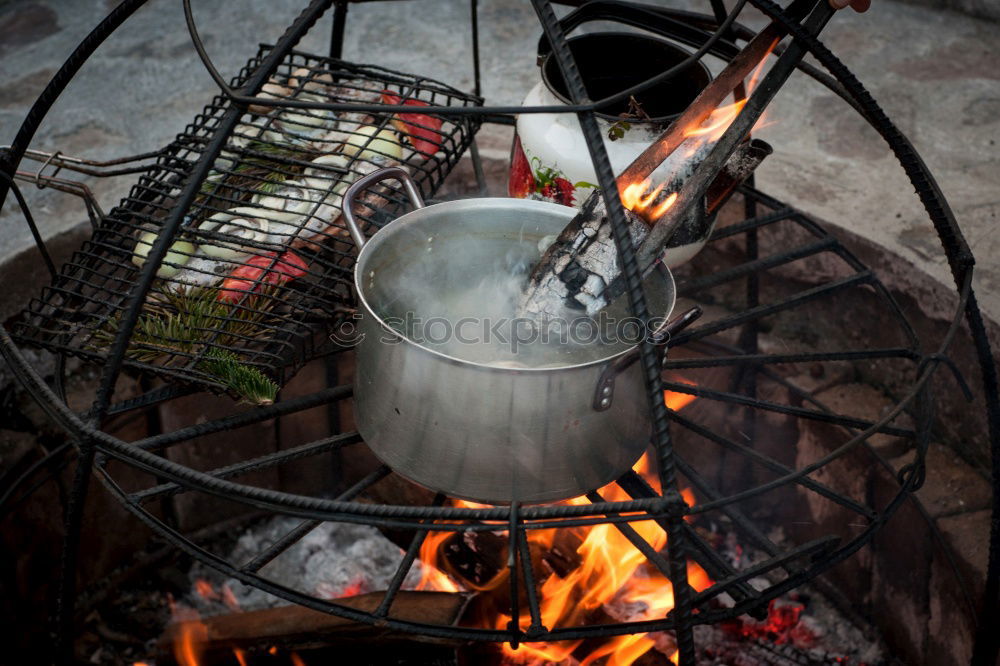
(987, 9)
(935, 72)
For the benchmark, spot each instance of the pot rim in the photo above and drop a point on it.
(632, 35)
(409, 218)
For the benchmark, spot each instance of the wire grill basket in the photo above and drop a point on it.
(262, 262)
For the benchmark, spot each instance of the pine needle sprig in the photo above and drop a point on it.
(178, 324)
(246, 381)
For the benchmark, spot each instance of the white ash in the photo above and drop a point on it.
(334, 560)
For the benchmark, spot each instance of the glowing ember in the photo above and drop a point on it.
(613, 578)
(296, 660)
(241, 656)
(205, 590)
(782, 626)
(354, 588)
(229, 599)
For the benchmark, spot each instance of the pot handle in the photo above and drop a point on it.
(604, 395)
(347, 203)
(686, 27)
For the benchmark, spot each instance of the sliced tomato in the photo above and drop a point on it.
(421, 130)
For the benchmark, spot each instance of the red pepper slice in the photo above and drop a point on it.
(422, 130)
(258, 271)
(234, 289)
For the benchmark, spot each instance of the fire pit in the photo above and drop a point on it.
(647, 567)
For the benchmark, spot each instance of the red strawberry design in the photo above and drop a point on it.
(558, 190)
(521, 182)
(564, 191)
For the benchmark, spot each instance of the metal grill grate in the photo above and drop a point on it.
(263, 260)
(755, 309)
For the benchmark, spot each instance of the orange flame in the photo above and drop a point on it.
(718, 121)
(241, 656)
(636, 199)
(431, 577)
(639, 197)
(611, 570)
(677, 401)
(190, 642)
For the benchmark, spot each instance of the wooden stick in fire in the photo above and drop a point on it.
(580, 269)
(694, 188)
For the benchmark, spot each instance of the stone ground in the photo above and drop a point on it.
(935, 72)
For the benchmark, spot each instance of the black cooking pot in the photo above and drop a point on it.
(610, 62)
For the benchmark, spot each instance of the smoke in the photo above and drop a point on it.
(457, 293)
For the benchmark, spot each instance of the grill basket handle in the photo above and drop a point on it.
(347, 204)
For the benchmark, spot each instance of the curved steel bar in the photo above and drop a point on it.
(844, 84)
(489, 635)
(462, 633)
(287, 503)
(8, 181)
(244, 100)
(711, 44)
(854, 442)
(960, 261)
(11, 158)
(73, 522)
(250, 417)
(967, 595)
(55, 457)
(650, 358)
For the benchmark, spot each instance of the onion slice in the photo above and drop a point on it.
(240, 224)
(179, 253)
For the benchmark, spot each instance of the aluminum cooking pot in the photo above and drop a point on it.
(479, 430)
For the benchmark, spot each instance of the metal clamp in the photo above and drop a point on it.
(59, 161)
(399, 173)
(38, 174)
(660, 338)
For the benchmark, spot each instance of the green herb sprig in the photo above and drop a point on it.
(176, 324)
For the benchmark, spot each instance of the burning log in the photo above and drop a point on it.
(287, 628)
(578, 269)
(477, 560)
